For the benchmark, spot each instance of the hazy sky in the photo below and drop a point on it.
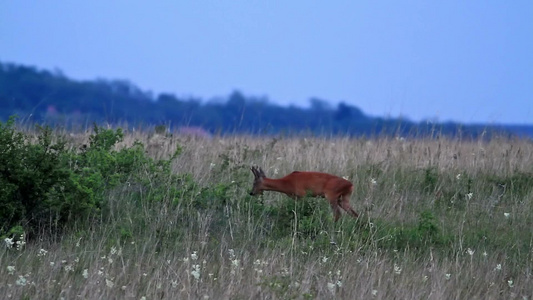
(469, 61)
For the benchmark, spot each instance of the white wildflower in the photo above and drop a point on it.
(21, 242)
(470, 251)
(373, 181)
(507, 215)
(397, 269)
(109, 283)
(68, 268)
(458, 176)
(194, 255)
(285, 272)
(331, 287)
(85, 273)
(9, 242)
(21, 281)
(374, 292)
(448, 276)
(339, 283)
(257, 266)
(324, 259)
(469, 195)
(196, 271)
(113, 251)
(10, 270)
(485, 253)
(235, 263)
(498, 267)
(510, 283)
(42, 252)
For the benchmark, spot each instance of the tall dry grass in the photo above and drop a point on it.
(484, 249)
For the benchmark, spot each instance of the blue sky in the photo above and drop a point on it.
(467, 61)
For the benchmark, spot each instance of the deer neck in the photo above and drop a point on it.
(277, 185)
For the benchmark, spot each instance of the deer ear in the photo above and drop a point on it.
(254, 171)
(261, 173)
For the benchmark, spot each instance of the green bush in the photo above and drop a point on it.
(29, 173)
(421, 235)
(46, 185)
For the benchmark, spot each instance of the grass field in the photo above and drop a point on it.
(439, 219)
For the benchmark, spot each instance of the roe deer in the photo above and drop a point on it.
(335, 189)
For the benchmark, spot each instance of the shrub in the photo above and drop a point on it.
(47, 185)
(421, 235)
(29, 173)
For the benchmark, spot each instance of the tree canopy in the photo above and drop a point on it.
(51, 97)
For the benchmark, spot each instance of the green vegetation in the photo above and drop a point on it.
(47, 186)
(113, 214)
(51, 97)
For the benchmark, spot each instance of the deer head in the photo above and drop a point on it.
(259, 175)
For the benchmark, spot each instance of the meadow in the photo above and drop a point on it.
(442, 218)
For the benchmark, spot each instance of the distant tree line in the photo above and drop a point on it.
(50, 97)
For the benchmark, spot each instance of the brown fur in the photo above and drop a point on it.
(335, 189)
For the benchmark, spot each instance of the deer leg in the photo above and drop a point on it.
(336, 215)
(345, 204)
(334, 207)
